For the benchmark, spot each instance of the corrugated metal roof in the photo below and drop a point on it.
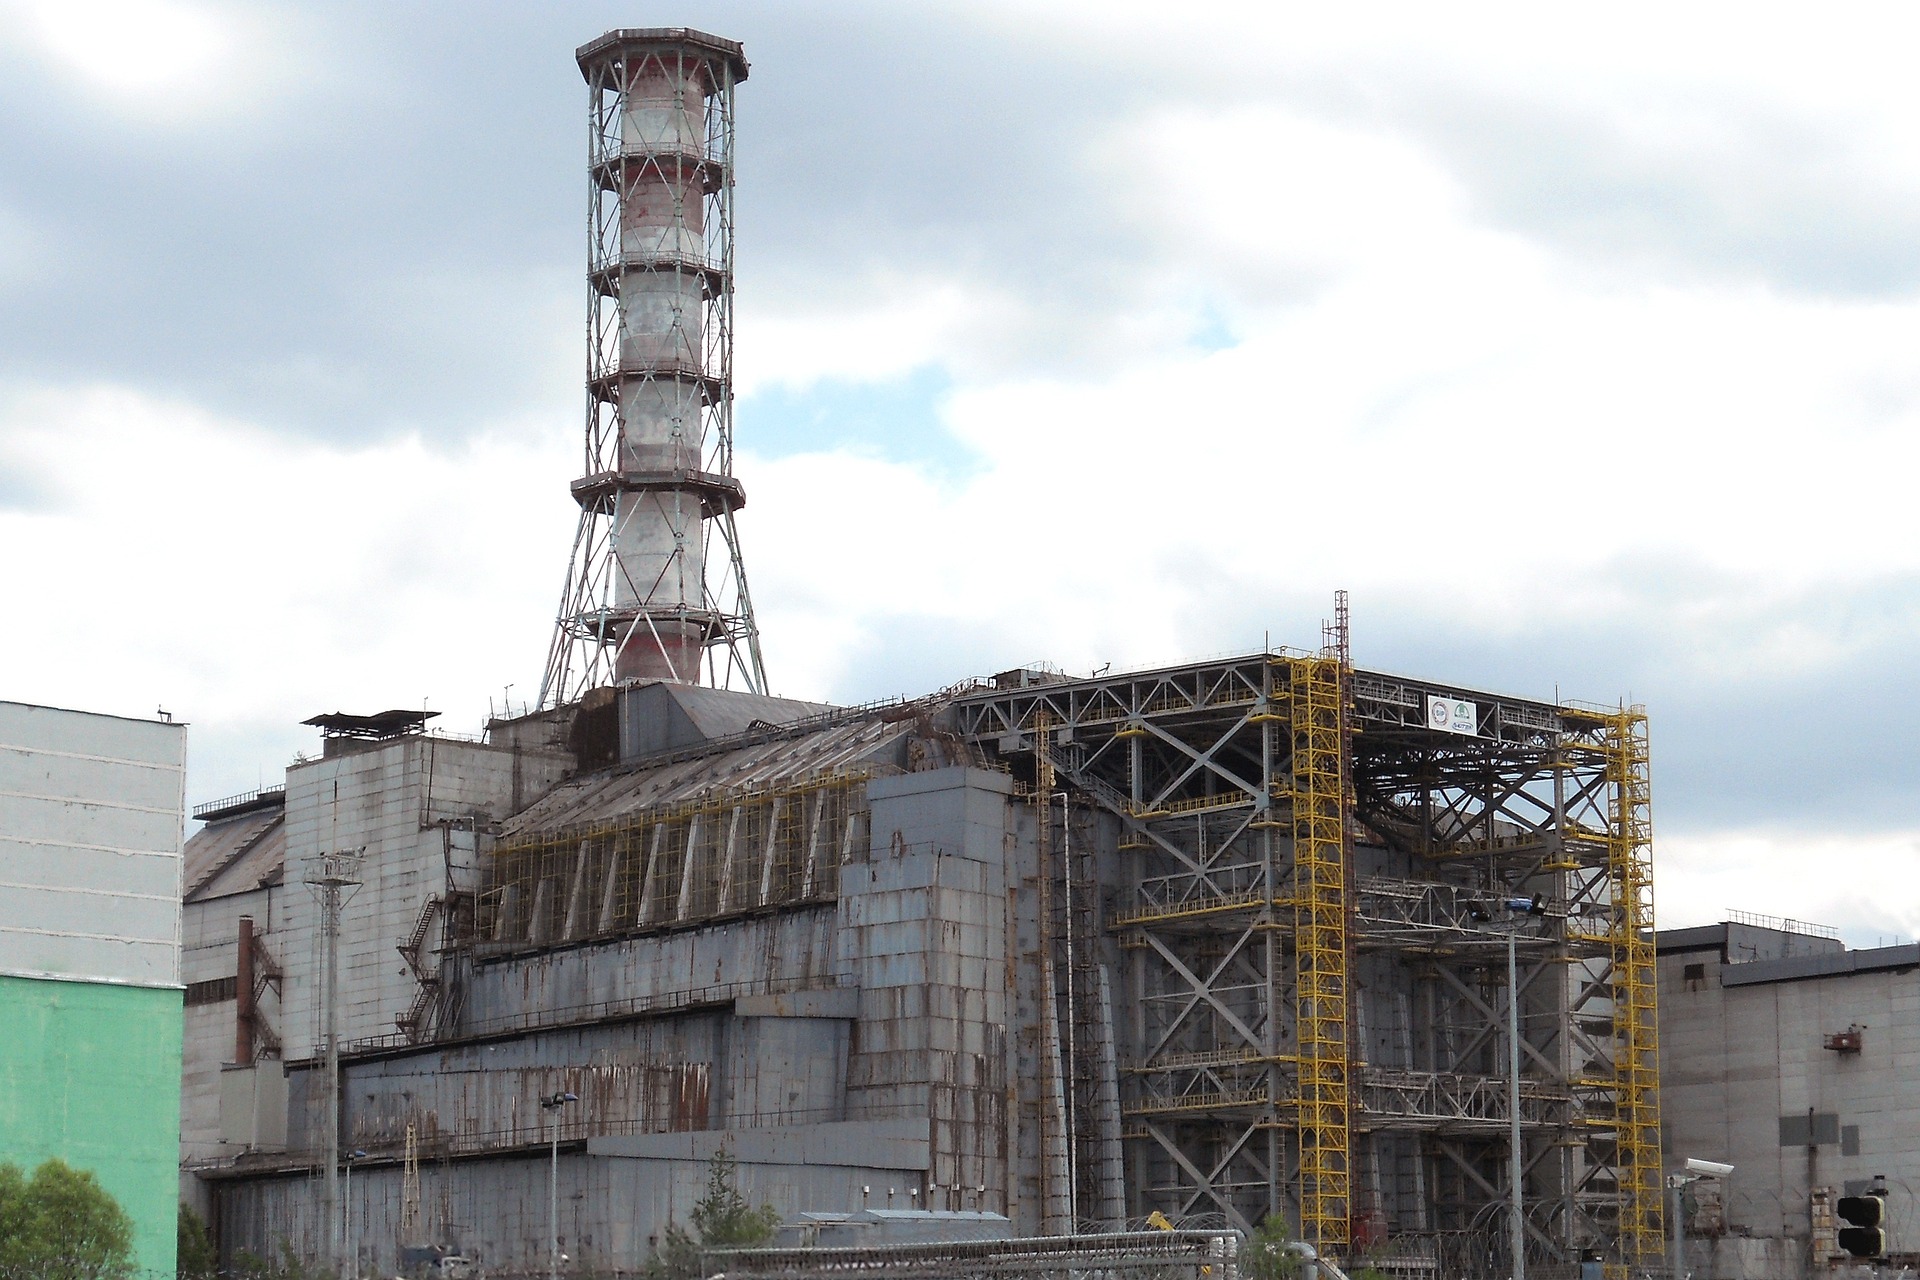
(791, 758)
(236, 856)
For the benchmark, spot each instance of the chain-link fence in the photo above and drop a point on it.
(1146, 1255)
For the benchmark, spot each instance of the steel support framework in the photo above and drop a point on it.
(656, 585)
(1240, 910)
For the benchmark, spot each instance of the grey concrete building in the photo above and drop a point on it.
(1797, 1060)
(1038, 947)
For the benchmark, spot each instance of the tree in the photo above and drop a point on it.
(1268, 1256)
(723, 1220)
(61, 1224)
(198, 1258)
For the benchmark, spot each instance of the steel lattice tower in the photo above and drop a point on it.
(656, 589)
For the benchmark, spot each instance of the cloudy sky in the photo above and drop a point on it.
(1581, 346)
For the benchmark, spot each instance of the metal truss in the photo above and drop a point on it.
(656, 567)
(1240, 912)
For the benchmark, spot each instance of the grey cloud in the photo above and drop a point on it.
(1737, 189)
(356, 257)
(1815, 742)
(394, 243)
(1820, 744)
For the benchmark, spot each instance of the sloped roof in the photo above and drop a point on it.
(790, 757)
(664, 716)
(721, 713)
(236, 855)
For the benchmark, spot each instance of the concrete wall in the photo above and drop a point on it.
(616, 1196)
(1743, 1065)
(791, 948)
(92, 817)
(889, 1011)
(211, 952)
(705, 1070)
(923, 924)
(388, 800)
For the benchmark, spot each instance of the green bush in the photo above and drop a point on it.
(61, 1224)
(1266, 1256)
(251, 1266)
(198, 1260)
(722, 1219)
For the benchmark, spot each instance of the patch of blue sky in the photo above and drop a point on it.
(1211, 331)
(898, 419)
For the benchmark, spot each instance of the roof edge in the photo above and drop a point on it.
(621, 39)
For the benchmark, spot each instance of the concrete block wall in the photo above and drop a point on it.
(616, 1197)
(923, 922)
(211, 952)
(1743, 1066)
(794, 948)
(387, 800)
(707, 1070)
(92, 814)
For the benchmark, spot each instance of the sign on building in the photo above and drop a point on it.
(1453, 715)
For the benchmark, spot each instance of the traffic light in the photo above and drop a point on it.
(1864, 1238)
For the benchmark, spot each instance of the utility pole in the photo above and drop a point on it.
(552, 1105)
(331, 877)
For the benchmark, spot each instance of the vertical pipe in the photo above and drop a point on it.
(1073, 1074)
(243, 995)
(330, 923)
(1676, 1258)
(353, 1245)
(553, 1193)
(1518, 1237)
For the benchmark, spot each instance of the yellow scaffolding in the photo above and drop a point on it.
(1320, 805)
(1636, 1025)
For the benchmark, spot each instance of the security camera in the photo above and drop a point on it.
(1709, 1168)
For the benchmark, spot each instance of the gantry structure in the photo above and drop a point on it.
(1292, 951)
(656, 587)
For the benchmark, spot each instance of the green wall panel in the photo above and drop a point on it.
(90, 1073)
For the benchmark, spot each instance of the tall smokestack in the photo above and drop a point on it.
(655, 588)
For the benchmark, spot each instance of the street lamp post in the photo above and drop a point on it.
(353, 1244)
(551, 1105)
(1676, 1183)
(1516, 1207)
(1518, 1227)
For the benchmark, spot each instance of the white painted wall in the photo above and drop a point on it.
(92, 819)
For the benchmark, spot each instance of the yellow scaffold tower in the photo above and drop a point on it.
(1636, 1025)
(1320, 803)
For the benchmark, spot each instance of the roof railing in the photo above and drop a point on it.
(1782, 924)
(256, 798)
